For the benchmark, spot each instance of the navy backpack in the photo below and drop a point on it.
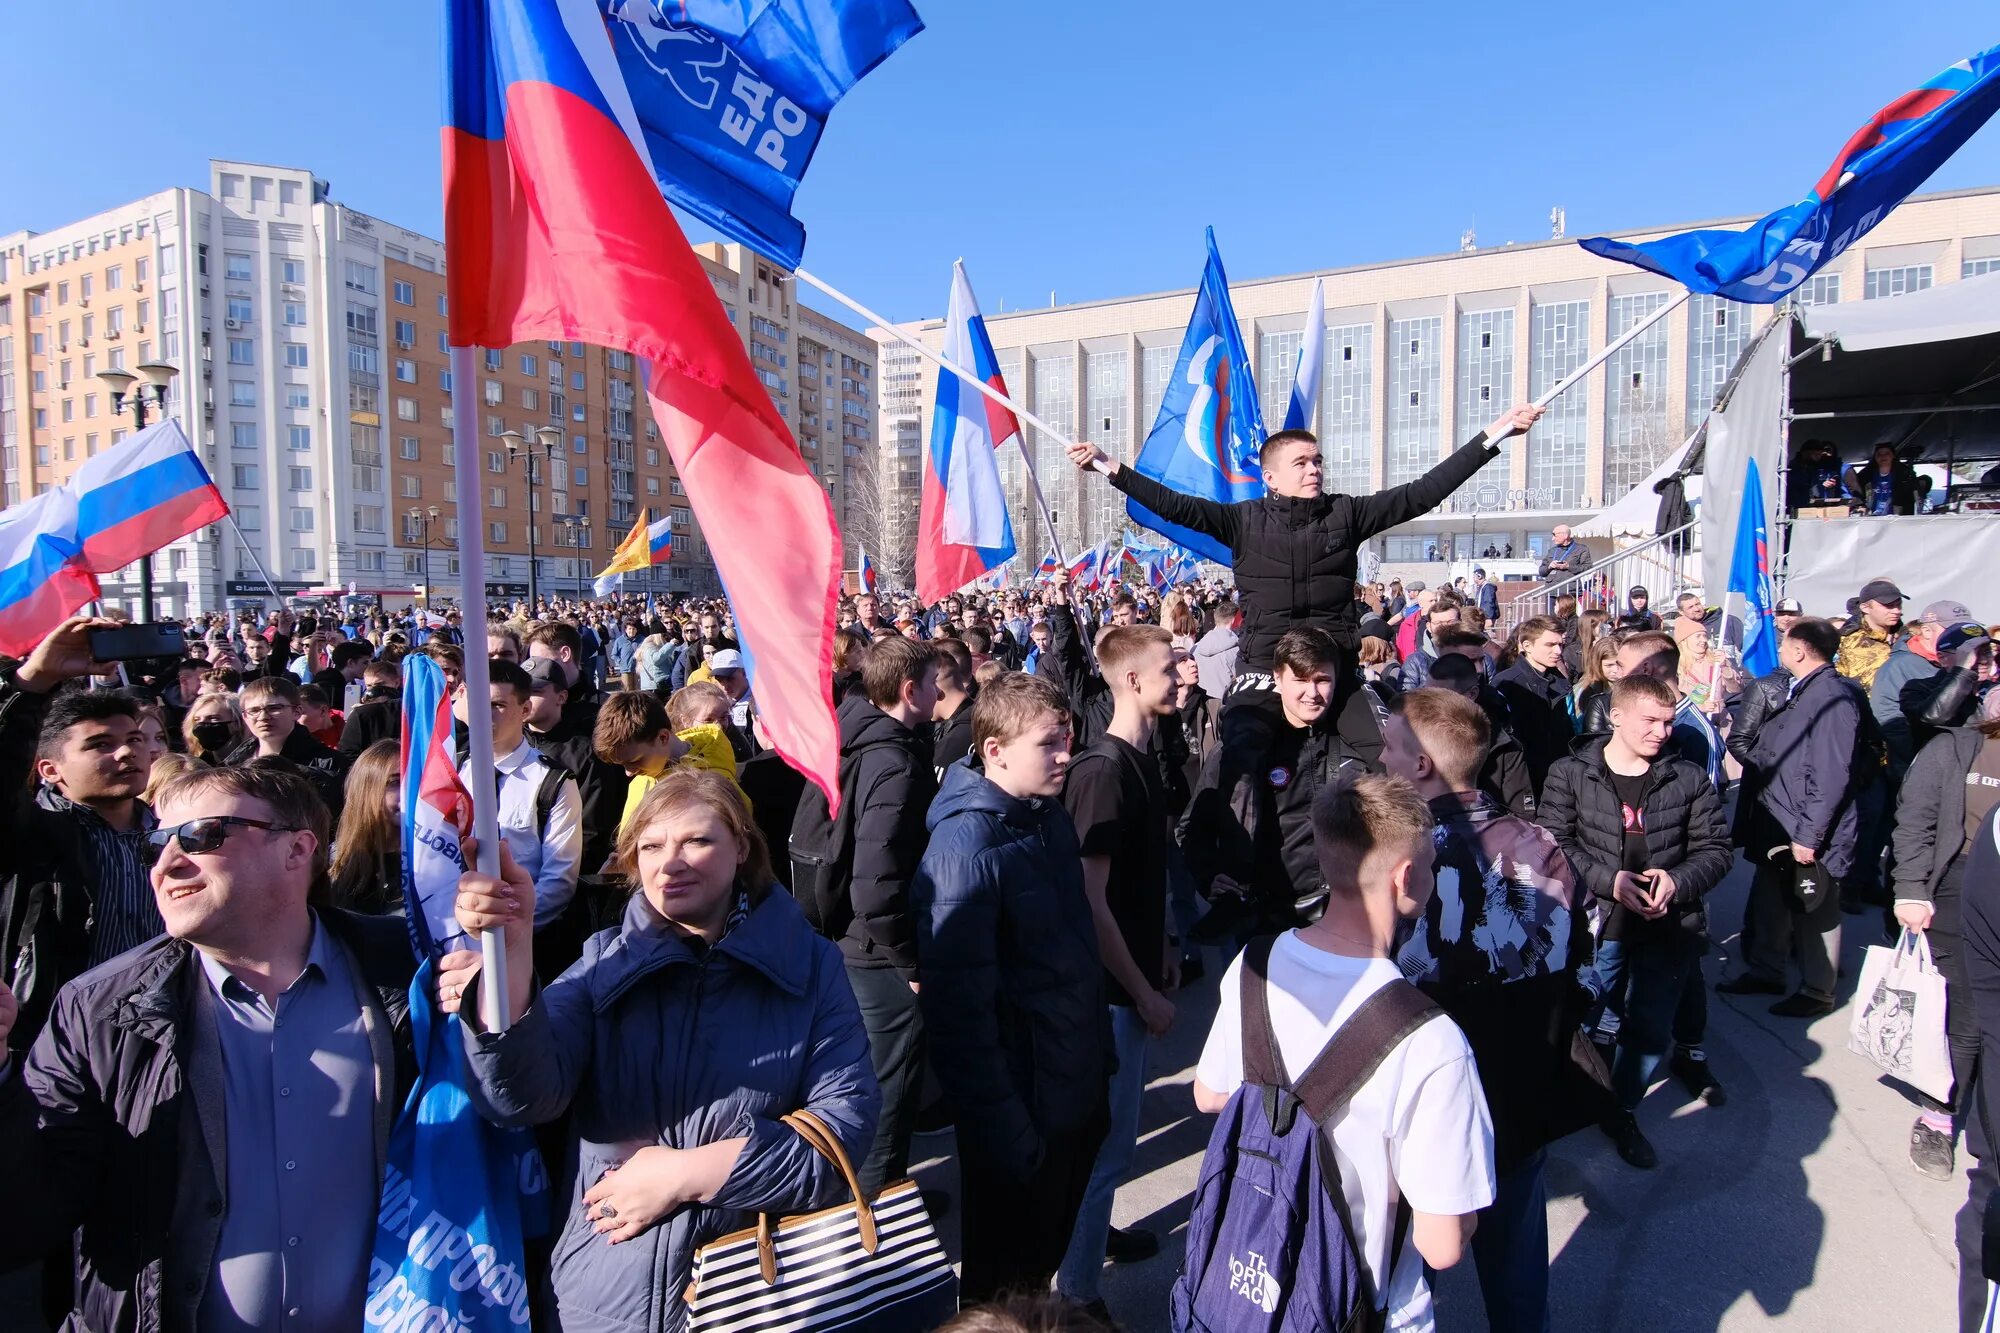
(1270, 1246)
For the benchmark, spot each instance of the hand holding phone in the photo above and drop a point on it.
(125, 643)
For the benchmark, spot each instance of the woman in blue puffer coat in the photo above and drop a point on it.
(676, 1043)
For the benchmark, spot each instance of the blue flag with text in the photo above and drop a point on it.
(1879, 166)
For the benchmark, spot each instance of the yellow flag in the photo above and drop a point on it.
(635, 552)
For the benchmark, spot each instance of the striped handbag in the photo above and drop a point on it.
(871, 1266)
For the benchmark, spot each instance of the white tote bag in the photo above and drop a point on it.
(1899, 1015)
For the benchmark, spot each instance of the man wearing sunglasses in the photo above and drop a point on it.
(208, 1115)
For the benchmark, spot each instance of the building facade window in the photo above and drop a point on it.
(1883, 282)
(1277, 367)
(1820, 289)
(1485, 385)
(1637, 433)
(1416, 366)
(1107, 424)
(1055, 403)
(1718, 330)
(1558, 342)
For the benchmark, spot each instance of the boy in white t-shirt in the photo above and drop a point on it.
(1418, 1129)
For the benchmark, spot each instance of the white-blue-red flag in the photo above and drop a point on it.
(568, 125)
(1087, 570)
(867, 572)
(1305, 380)
(1875, 170)
(42, 579)
(963, 529)
(1047, 569)
(141, 494)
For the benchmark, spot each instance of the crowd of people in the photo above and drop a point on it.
(1470, 860)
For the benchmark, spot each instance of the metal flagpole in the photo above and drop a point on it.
(251, 551)
(1034, 482)
(478, 683)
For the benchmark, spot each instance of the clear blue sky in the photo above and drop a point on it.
(1077, 146)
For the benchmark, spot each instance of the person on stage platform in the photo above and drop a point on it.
(1295, 551)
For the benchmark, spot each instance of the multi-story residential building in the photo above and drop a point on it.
(1419, 355)
(314, 379)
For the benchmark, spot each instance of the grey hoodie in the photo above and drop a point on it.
(1215, 661)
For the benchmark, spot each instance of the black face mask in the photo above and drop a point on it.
(213, 736)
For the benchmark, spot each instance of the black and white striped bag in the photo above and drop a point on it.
(861, 1267)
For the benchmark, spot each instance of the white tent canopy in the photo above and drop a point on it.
(1635, 513)
(1969, 308)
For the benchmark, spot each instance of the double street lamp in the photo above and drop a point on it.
(551, 441)
(154, 375)
(423, 517)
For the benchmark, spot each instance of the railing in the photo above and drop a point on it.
(1663, 565)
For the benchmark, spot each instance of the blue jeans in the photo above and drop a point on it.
(1656, 974)
(1078, 1277)
(1511, 1249)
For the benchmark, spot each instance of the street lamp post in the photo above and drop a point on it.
(423, 518)
(578, 528)
(154, 375)
(550, 440)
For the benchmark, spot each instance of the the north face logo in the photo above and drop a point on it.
(1253, 1282)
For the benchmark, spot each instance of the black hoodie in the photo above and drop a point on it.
(887, 768)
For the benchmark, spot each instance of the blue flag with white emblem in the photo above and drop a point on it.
(1879, 166)
(1205, 441)
(730, 98)
(1750, 578)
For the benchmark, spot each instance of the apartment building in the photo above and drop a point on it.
(1419, 355)
(310, 344)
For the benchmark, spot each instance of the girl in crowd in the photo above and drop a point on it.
(1590, 702)
(678, 1042)
(213, 727)
(367, 869)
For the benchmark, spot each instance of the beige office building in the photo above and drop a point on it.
(310, 340)
(1420, 354)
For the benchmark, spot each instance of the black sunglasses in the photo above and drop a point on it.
(201, 835)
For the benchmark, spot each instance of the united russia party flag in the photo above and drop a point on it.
(1210, 428)
(1876, 169)
(459, 1195)
(569, 124)
(962, 528)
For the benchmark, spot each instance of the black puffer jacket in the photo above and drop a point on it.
(107, 1124)
(1013, 994)
(1686, 836)
(1538, 703)
(1296, 560)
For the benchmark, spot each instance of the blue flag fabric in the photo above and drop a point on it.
(1205, 440)
(458, 1198)
(1885, 160)
(731, 96)
(1750, 577)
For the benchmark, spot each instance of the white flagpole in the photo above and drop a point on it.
(478, 682)
(1034, 482)
(1611, 348)
(251, 551)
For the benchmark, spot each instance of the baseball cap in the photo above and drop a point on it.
(1957, 636)
(727, 659)
(1788, 606)
(1638, 590)
(1478, 569)
(546, 672)
(1946, 612)
(1883, 591)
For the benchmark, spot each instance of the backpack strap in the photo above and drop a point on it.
(547, 792)
(1263, 1065)
(1358, 1049)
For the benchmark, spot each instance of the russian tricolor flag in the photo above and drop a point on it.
(867, 573)
(660, 539)
(41, 580)
(963, 529)
(1048, 567)
(139, 495)
(567, 126)
(437, 811)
